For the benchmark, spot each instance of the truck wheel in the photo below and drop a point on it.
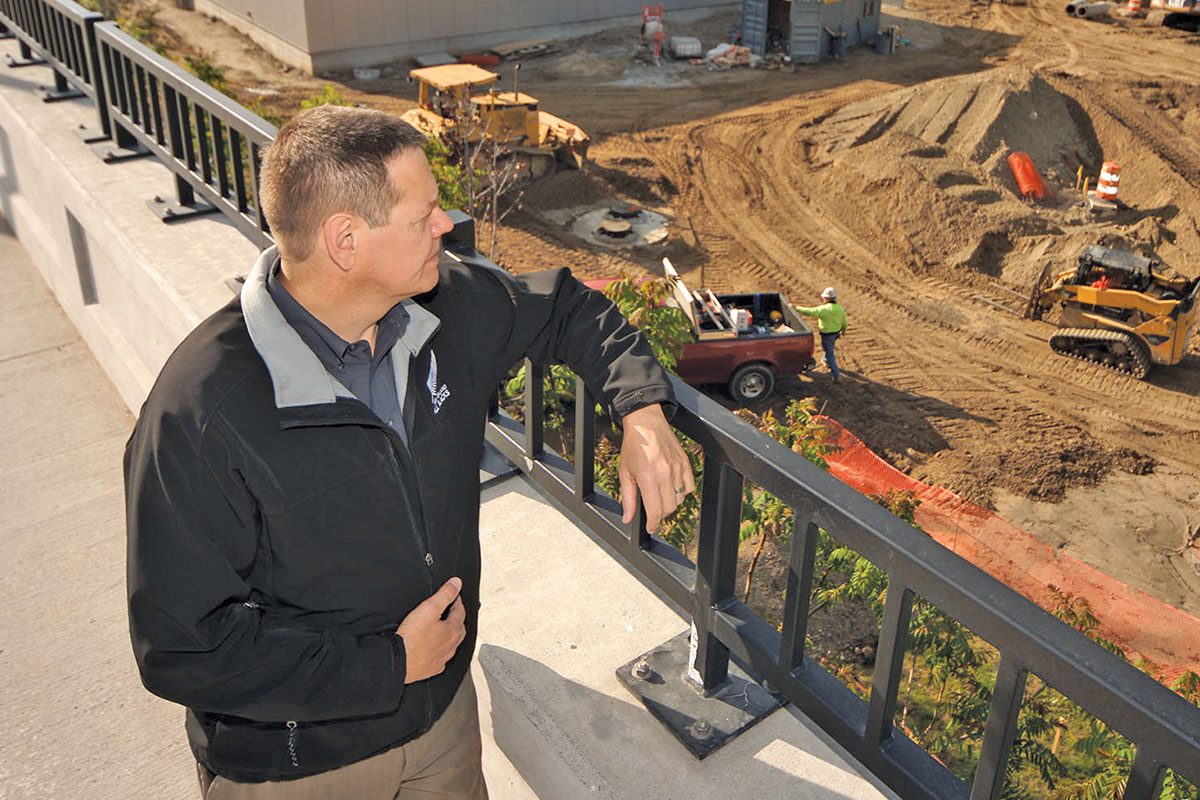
(751, 382)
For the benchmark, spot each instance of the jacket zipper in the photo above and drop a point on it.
(292, 727)
(418, 529)
(423, 544)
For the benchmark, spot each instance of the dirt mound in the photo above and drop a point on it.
(1044, 466)
(982, 117)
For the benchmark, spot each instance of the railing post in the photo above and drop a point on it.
(585, 441)
(1000, 731)
(535, 412)
(27, 59)
(92, 54)
(893, 637)
(716, 569)
(61, 91)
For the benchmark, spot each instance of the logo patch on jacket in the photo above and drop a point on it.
(437, 395)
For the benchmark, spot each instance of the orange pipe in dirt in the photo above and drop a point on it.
(1028, 180)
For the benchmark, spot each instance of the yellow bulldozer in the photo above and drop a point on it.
(454, 96)
(1118, 309)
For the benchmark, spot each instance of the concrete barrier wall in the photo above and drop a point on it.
(150, 283)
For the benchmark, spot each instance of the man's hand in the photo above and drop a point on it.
(652, 463)
(429, 640)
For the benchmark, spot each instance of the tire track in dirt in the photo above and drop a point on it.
(733, 169)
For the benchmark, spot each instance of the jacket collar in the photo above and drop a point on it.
(299, 377)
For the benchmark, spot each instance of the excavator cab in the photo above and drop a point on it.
(1118, 309)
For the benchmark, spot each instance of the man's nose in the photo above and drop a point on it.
(441, 223)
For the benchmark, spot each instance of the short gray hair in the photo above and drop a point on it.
(326, 160)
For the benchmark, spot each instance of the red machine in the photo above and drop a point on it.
(654, 33)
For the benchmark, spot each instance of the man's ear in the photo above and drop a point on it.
(341, 236)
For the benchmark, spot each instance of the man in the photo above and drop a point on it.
(831, 321)
(302, 483)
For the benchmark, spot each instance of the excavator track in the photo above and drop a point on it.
(1115, 350)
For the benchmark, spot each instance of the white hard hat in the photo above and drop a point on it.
(830, 293)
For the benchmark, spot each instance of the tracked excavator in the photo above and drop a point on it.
(1119, 310)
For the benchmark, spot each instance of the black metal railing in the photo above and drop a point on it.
(59, 34)
(1163, 726)
(148, 105)
(212, 144)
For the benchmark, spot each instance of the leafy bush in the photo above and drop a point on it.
(329, 96)
(205, 67)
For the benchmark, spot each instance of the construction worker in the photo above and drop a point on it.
(831, 321)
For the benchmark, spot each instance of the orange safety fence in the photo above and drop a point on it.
(1140, 624)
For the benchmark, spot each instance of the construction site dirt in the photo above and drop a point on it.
(885, 176)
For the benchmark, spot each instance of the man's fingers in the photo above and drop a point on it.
(629, 496)
(458, 612)
(443, 597)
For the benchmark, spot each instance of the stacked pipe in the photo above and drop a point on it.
(1085, 9)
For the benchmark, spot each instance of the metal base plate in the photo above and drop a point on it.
(24, 62)
(52, 95)
(90, 135)
(111, 153)
(169, 212)
(702, 723)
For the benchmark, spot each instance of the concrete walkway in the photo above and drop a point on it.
(77, 722)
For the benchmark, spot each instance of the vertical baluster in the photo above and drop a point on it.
(585, 441)
(130, 91)
(716, 567)
(1000, 731)
(260, 219)
(535, 412)
(238, 163)
(220, 157)
(144, 100)
(187, 132)
(204, 143)
(1145, 778)
(888, 660)
(799, 587)
(156, 110)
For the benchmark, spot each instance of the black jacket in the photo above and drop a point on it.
(279, 531)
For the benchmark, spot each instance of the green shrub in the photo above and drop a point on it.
(329, 96)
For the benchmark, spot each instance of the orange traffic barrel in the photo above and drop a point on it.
(1109, 181)
(1135, 6)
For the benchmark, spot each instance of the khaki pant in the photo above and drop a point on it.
(444, 764)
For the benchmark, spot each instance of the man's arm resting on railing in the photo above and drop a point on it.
(559, 320)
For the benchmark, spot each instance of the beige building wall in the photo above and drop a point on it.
(319, 35)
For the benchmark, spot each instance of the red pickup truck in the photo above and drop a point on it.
(740, 340)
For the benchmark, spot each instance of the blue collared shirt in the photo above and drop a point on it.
(369, 375)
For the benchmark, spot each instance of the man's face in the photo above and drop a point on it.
(402, 255)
